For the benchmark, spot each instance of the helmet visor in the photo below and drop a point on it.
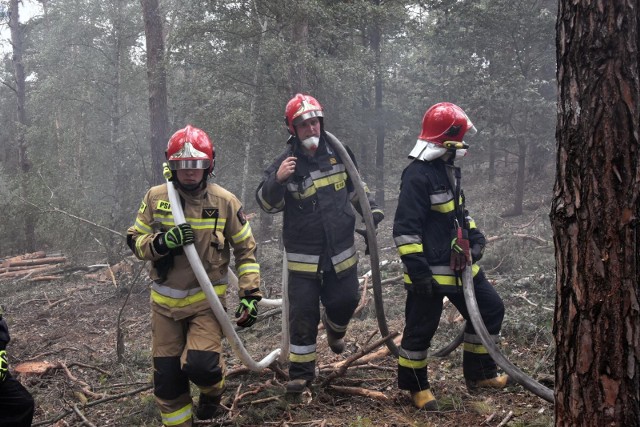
(189, 164)
(471, 131)
(309, 114)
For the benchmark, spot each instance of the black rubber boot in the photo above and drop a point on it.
(208, 407)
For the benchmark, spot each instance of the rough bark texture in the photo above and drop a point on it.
(300, 39)
(157, 77)
(594, 214)
(21, 115)
(376, 46)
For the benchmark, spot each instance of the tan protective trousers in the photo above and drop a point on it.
(183, 349)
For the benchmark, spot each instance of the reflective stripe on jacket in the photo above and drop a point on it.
(425, 221)
(219, 224)
(319, 219)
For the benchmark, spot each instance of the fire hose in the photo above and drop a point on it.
(279, 302)
(371, 238)
(476, 320)
(207, 288)
(469, 293)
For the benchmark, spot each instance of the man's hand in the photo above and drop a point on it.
(4, 366)
(424, 287)
(459, 250)
(173, 238)
(477, 250)
(363, 233)
(179, 235)
(247, 312)
(286, 169)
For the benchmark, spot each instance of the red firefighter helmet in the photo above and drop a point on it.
(300, 108)
(191, 148)
(445, 122)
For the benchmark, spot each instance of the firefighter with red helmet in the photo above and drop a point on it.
(186, 336)
(310, 184)
(434, 235)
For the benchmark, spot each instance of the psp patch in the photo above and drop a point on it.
(241, 217)
(143, 207)
(163, 205)
(210, 213)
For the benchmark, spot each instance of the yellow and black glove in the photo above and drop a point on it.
(4, 366)
(247, 312)
(174, 238)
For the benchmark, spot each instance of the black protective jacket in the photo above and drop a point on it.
(319, 219)
(425, 222)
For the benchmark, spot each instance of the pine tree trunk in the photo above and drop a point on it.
(21, 115)
(594, 215)
(376, 46)
(157, 81)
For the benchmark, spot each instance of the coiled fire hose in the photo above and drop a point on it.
(216, 306)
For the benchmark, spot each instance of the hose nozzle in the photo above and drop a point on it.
(455, 145)
(166, 172)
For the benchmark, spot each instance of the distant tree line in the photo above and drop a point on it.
(83, 139)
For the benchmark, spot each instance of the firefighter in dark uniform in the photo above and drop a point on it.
(430, 229)
(309, 183)
(16, 403)
(185, 333)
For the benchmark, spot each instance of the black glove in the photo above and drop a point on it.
(424, 287)
(173, 238)
(4, 366)
(247, 311)
(377, 218)
(363, 233)
(477, 250)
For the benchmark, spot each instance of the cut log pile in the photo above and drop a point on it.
(33, 267)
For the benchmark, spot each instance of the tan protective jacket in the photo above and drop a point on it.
(219, 224)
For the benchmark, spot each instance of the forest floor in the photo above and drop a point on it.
(71, 327)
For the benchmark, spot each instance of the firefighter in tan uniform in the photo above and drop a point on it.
(186, 337)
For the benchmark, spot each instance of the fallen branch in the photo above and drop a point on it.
(29, 271)
(368, 349)
(265, 400)
(45, 278)
(524, 297)
(84, 419)
(383, 352)
(84, 365)
(489, 418)
(522, 236)
(37, 261)
(60, 301)
(32, 255)
(83, 386)
(363, 298)
(358, 391)
(94, 403)
(506, 419)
